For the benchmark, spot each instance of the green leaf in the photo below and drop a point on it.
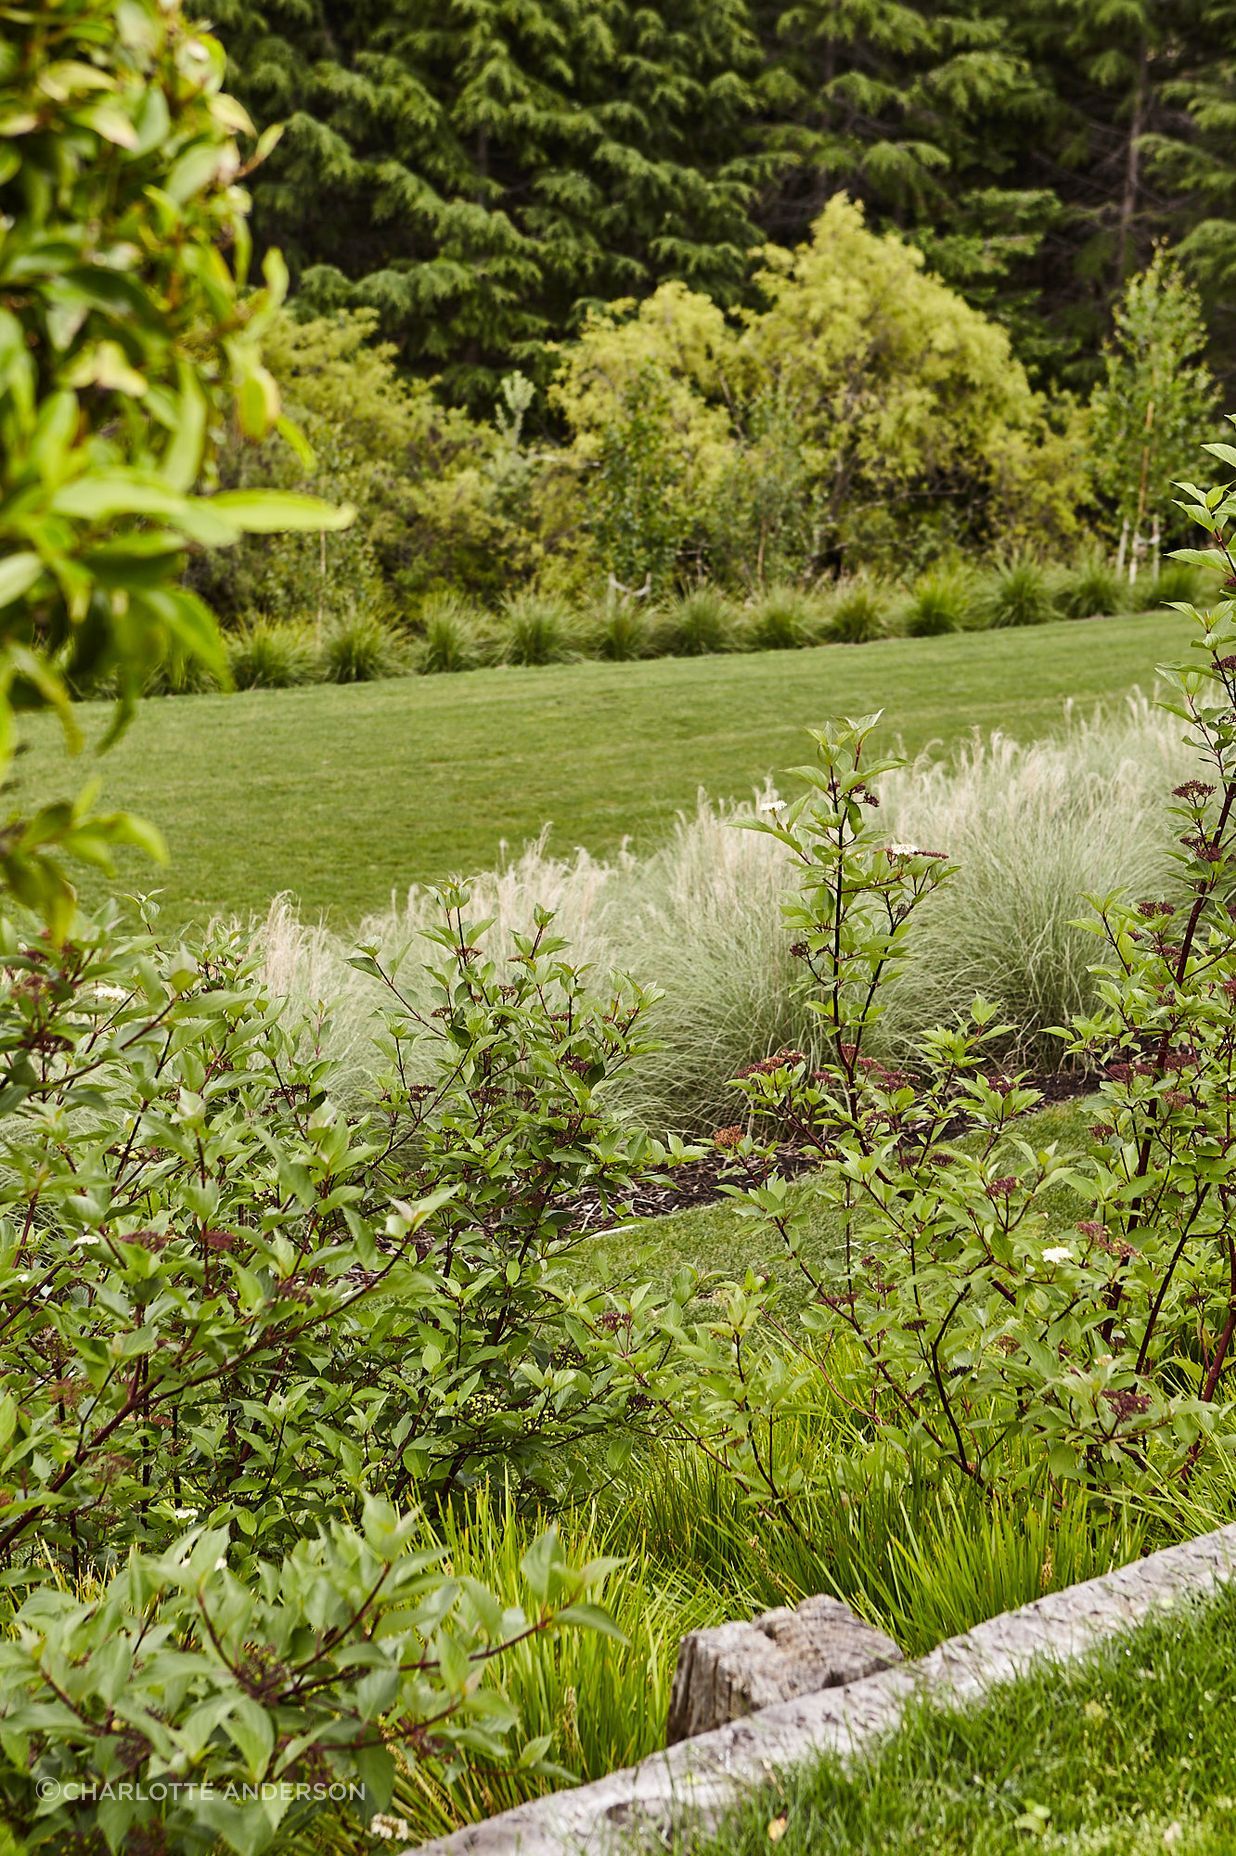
(539, 1561)
(182, 461)
(592, 1617)
(18, 573)
(251, 1729)
(375, 1767)
(107, 119)
(275, 512)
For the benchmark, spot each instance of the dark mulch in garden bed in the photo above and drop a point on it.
(699, 1182)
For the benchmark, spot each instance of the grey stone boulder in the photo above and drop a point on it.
(737, 1669)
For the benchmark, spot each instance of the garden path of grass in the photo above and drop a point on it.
(343, 795)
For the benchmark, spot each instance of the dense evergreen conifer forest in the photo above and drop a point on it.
(480, 171)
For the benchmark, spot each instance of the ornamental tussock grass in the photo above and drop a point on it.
(360, 647)
(1033, 830)
(858, 611)
(1090, 588)
(783, 618)
(537, 628)
(697, 624)
(619, 632)
(264, 654)
(450, 639)
(1017, 593)
(942, 601)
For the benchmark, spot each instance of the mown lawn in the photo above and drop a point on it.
(342, 795)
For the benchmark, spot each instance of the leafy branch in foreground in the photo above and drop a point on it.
(129, 339)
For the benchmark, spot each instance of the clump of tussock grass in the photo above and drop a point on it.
(1033, 830)
(265, 654)
(696, 624)
(177, 675)
(1090, 588)
(619, 632)
(537, 628)
(942, 601)
(1019, 592)
(858, 610)
(783, 618)
(360, 647)
(450, 637)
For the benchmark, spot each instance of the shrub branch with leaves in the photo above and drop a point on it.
(219, 1311)
(129, 338)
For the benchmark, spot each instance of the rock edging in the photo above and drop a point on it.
(691, 1786)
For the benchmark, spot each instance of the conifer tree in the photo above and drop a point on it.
(1110, 70)
(480, 173)
(1195, 159)
(906, 105)
(476, 170)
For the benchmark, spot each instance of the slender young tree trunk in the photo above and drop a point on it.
(1126, 223)
(1143, 490)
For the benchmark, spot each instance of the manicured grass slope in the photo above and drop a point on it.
(343, 794)
(1127, 1754)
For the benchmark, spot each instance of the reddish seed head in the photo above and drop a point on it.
(1128, 1404)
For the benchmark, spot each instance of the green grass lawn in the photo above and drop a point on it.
(1126, 1754)
(342, 795)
